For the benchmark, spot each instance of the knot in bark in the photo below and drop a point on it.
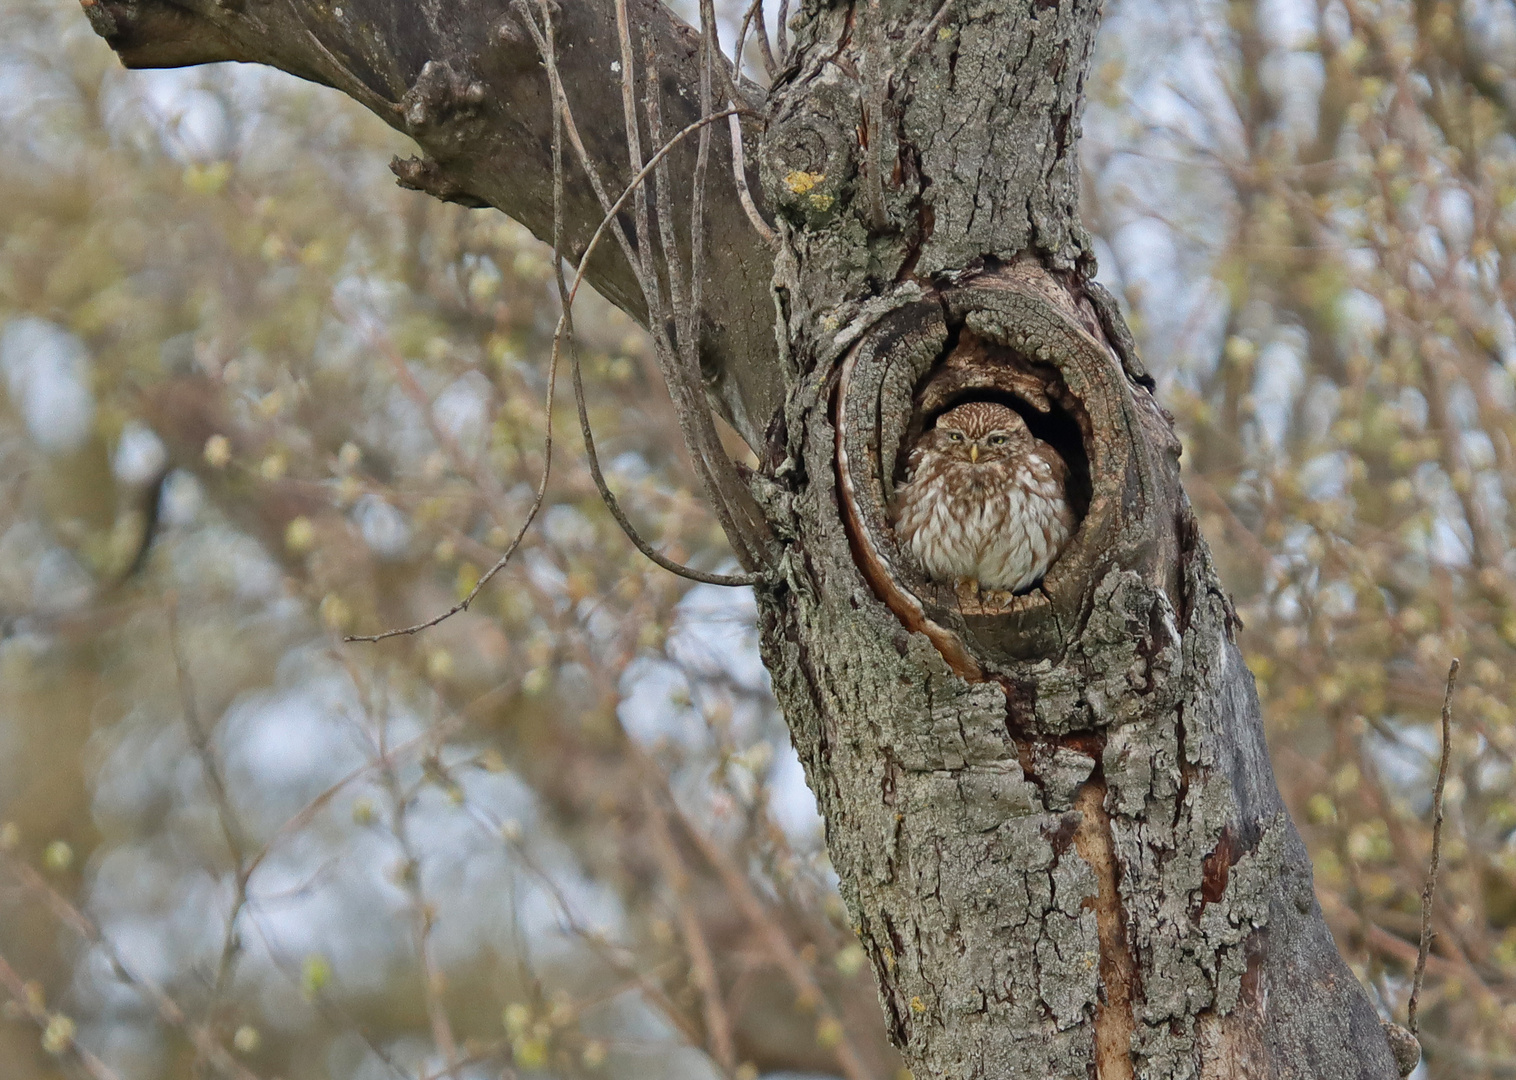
(1405, 1047)
(428, 177)
(809, 159)
(440, 93)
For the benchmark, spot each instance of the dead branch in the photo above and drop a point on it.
(1429, 891)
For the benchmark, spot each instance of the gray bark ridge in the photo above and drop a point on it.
(1054, 821)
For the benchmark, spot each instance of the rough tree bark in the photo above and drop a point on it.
(1055, 822)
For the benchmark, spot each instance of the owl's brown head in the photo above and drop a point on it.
(979, 433)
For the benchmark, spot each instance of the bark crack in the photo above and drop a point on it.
(1114, 1020)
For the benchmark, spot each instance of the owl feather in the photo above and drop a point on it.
(985, 501)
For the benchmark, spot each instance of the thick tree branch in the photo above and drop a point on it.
(466, 82)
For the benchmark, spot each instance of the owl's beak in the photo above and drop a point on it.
(974, 452)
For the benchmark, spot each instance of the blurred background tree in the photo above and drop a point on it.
(564, 834)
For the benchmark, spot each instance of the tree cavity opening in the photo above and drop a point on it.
(1019, 338)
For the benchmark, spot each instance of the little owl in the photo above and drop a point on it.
(985, 501)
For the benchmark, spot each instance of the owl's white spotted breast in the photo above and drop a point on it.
(1000, 524)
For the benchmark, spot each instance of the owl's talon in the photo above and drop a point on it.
(998, 598)
(967, 590)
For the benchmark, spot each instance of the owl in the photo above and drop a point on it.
(985, 506)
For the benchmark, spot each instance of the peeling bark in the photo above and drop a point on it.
(1054, 821)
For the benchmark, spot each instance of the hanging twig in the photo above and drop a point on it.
(738, 512)
(613, 504)
(1429, 890)
(563, 124)
(650, 284)
(547, 438)
(565, 331)
(744, 194)
(531, 515)
(739, 158)
(688, 397)
(733, 503)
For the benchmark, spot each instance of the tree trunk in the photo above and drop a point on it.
(1054, 821)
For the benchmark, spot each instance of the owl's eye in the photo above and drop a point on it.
(955, 436)
(999, 440)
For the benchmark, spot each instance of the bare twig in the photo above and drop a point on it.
(648, 275)
(718, 1023)
(738, 512)
(565, 332)
(613, 504)
(753, 18)
(53, 1026)
(1429, 891)
(928, 33)
(226, 814)
(547, 438)
(741, 891)
(564, 122)
(531, 516)
(744, 193)
(168, 1009)
(734, 506)
(739, 159)
(760, 26)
